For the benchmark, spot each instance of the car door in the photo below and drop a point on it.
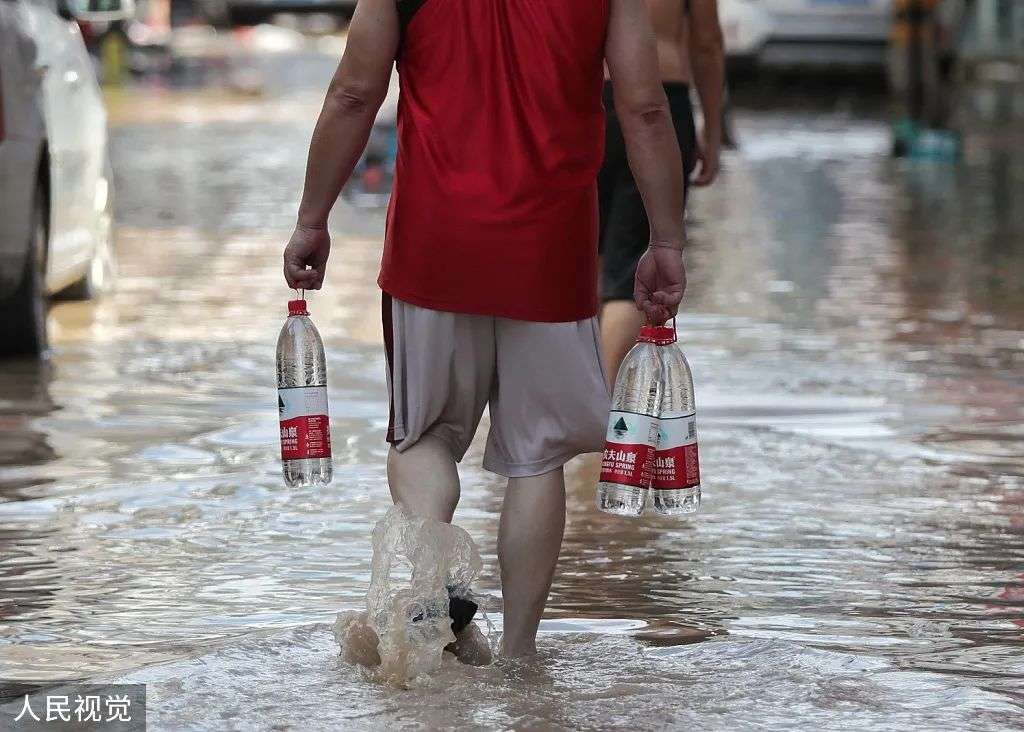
(21, 135)
(76, 128)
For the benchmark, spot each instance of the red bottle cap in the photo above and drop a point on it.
(660, 335)
(297, 307)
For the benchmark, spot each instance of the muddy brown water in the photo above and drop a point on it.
(856, 330)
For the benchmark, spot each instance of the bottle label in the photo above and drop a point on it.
(305, 427)
(629, 449)
(675, 462)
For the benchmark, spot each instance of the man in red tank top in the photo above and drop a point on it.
(489, 268)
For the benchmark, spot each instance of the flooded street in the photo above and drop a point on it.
(856, 331)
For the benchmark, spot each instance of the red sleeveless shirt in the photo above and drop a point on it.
(500, 138)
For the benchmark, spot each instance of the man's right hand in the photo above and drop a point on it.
(660, 283)
(309, 246)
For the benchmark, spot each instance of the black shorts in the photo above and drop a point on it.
(625, 231)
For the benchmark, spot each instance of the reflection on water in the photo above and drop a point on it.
(24, 395)
(855, 329)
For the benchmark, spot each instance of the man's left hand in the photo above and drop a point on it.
(707, 155)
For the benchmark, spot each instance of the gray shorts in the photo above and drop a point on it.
(543, 382)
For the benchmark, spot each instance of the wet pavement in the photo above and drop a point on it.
(856, 330)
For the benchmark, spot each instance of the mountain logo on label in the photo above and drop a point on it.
(620, 427)
(280, 404)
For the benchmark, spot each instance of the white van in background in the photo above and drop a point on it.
(807, 32)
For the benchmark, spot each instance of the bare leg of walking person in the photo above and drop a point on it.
(620, 326)
(424, 479)
(529, 540)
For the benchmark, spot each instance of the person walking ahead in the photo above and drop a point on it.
(490, 259)
(690, 49)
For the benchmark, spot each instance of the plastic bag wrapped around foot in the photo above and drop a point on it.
(415, 562)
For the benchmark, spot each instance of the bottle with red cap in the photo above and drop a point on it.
(675, 484)
(302, 400)
(633, 424)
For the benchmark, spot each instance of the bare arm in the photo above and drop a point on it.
(353, 99)
(643, 111)
(707, 59)
(653, 151)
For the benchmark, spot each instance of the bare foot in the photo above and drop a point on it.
(471, 647)
(357, 639)
(519, 652)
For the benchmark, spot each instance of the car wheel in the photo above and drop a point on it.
(23, 324)
(102, 272)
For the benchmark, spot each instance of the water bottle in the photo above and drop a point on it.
(302, 400)
(626, 466)
(675, 487)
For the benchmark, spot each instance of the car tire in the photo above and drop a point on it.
(23, 323)
(102, 272)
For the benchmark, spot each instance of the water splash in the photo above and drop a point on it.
(405, 628)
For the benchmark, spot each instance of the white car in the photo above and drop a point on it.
(55, 181)
(807, 32)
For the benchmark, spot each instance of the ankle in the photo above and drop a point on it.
(512, 648)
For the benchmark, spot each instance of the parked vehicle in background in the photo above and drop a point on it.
(55, 176)
(807, 32)
(252, 12)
